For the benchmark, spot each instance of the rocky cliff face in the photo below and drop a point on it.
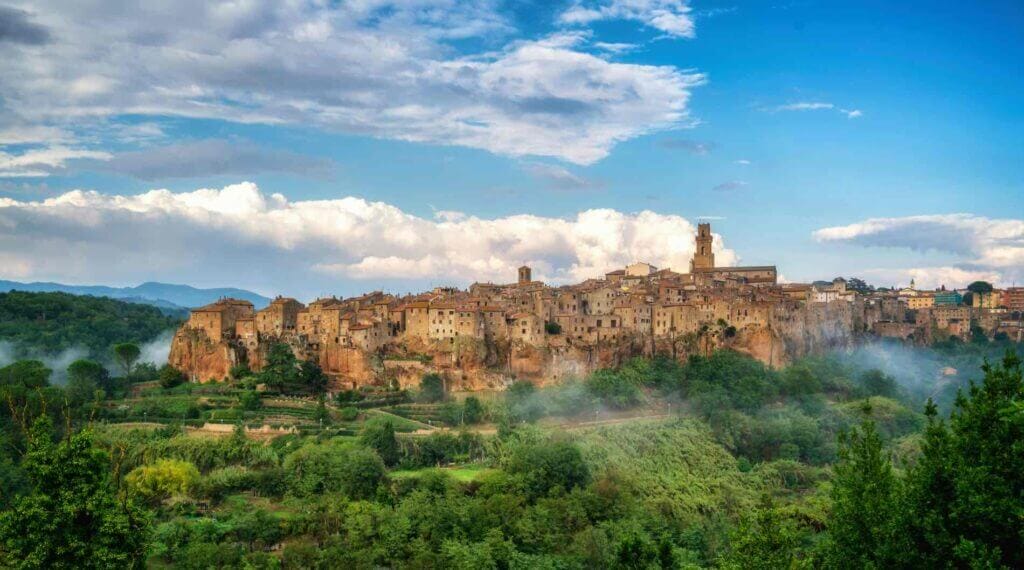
(467, 364)
(201, 359)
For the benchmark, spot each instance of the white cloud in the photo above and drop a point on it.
(673, 17)
(41, 162)
(240, 236)
(984, 247)
(379, 68)
(742, 162)
(816, 106)
(804, 106)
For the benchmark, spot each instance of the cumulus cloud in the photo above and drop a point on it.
(242, 236)
(986, 248)
(672, 17)
(214, 157)
(381, 68)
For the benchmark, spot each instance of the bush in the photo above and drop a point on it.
(240, 371)
(250, 400)
(349, 413)
(552, 327)
(164, 479)
(170, 376)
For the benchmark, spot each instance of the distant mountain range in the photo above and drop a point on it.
(169, 297)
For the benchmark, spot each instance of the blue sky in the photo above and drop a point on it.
(861, 139)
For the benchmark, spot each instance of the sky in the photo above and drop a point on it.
(310, 148)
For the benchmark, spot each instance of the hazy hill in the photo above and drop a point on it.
(50, 323)
(163, 295)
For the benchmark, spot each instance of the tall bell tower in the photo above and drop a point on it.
(703, 258)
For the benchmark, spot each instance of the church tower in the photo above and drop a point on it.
(524, 275)
(702, 256)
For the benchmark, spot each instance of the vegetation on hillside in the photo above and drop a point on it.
(714, 462)
(49, 323)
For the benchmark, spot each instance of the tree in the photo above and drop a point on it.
(362, 471)
(878, 383)
(312, 377)
(126, 354)
(162, 480)
(379, 435)
(73, 517)
(858, 285)
(980, 287)
(523, 403)
(169, 376)
(766, 540)
(546, 465)
(472, 410)
(863, 503)
(551, 327)
(28, 373)
(431, 388)
(84, 378)
(281, 369)
(613, 389)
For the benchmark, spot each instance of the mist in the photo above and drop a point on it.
(58, 363)
(157, 350)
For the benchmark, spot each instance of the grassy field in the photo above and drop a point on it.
(462, 473)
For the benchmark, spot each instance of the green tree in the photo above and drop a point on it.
(27, 373)
(379, 435)
(864, 498)
(84, 378)
(546, 465)
(281, 369)
(362, 471)
(312, 377)
(169, 376)
(523, 402)
(72, 518)
(766, 539)
(472, 410)
(987, 460)
(431, 388)
(127, 354)
(613, 389)
(980, 287)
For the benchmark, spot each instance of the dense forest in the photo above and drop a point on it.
(40, 324)
(713, 462)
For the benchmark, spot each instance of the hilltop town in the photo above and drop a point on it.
(490, 333)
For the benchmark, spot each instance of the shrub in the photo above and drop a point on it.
(164, 479)
(349, 413)
(170, 376)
